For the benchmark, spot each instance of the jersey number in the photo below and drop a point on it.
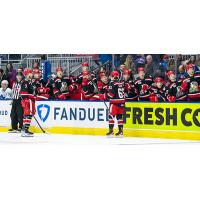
(121, 93)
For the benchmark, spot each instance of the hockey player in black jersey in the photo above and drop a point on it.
(142, 85)
(28, 102)
(130, 91)
(174, 90)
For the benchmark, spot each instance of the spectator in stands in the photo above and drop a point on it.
(164, 64)
(36, 65)
(172, 66)
(130, 64)
(179, 60)
(151, 67)
(5, 91)
(20, 70)
(10, 74)
(140, 61)
(2, 76)
(192, 60)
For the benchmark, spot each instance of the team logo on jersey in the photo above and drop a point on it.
(43, 111)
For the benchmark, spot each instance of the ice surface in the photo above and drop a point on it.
(66, 139)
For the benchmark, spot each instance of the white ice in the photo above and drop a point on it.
(66, 139)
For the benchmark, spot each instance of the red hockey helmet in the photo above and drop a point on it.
(141, 69)
(127, 72)
(114, 74)
(36, 71)
(189, 67)
(85, 64)
(169, 73)
(159, 79)
(59, 69)
(27, 71)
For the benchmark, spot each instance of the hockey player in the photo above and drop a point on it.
(191, 83)
(61, 85)
(130, 91)
(88, 86)
(158, 90)
(174, 90)
(117, 103)
(85, 68)
(28, 102)
(102, 86)
(39, 85)
(142, 85)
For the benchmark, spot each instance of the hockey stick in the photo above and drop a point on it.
(39, 124)
(96, 88)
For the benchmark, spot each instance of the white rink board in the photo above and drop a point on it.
(63, 114)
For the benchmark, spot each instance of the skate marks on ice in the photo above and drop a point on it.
(66, 139)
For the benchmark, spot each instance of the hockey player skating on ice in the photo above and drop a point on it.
(28, 102)
(117, 103)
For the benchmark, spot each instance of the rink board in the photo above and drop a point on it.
(157, 120)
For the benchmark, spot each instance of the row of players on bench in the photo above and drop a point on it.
(87, 87)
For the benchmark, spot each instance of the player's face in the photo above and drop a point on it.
(59, 74)
(37, 76)
(141, 74)
(126, 77)
(191, 71)
(30, 75)
(19, 78)
(87, 77)
(122, 67)
(104, 79)
(159, 84)
(85, 69)
(172, 77)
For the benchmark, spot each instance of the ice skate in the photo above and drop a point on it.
(110, 133)
(27, 133)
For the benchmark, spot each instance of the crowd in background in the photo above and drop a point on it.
(154, 65)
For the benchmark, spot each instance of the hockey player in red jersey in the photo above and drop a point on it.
(102, 86)
(191, 83)
(39, 85)
(174, 90)
(130, 91)
(158, 90)
(28, 102)
(61, 85)
(117, 102)
(142, 85)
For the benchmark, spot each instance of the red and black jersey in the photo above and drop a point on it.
(60, 86)
(102, 87)
(38, 83)
(79, 79)
(142, 86)
(191, 85)
(130, 91)
(160, 93)
(27, 90)
(174, 90)
(116, 92)
(88, 89)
